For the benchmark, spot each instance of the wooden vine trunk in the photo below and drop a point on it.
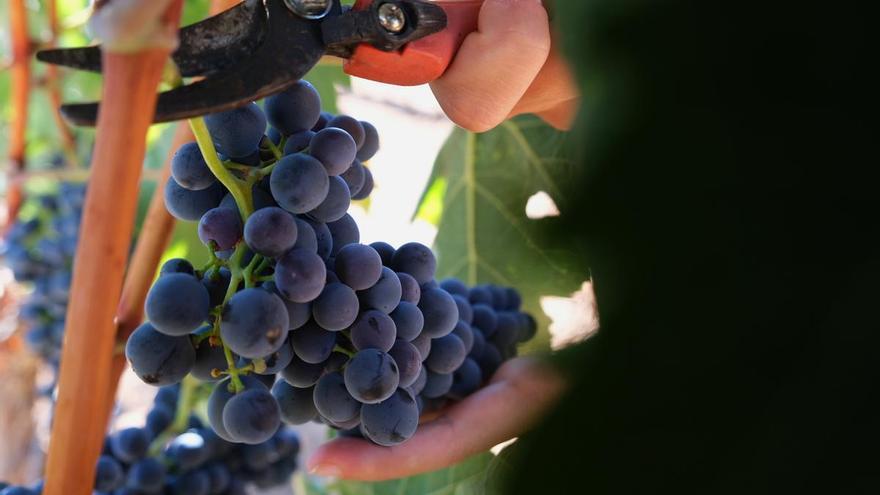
(21, 90)
(128, 104)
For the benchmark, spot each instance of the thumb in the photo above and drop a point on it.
(496, 64)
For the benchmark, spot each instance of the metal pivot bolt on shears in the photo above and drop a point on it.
(260, 47)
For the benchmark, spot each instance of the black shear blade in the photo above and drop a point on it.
(290, 48)
(205, 48)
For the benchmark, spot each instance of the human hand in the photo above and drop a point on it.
(508, 67)
(518, 395)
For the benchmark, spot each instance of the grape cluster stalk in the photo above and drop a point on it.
(293, 318)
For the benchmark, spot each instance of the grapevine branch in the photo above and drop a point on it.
(129, 102)
(21, 84)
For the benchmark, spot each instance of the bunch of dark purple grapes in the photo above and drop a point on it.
(40, 248)
(158, 460)
(290, 290)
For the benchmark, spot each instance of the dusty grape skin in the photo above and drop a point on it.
(373, 329)
(385, 294)
(159, 359)
(408, 320)
(392, 421)
(332, 399)
(312, 344)
(254, 323)
(177, 304)
(440, 312)
(371, 376)
(252, 416)
(300, 275)
(297, 404)
(358, 266)
(336, 308)
(409, 362)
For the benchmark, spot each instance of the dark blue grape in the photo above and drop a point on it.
(177, 265)
(270, 232)
(177, 304)
(168, 396)
(298, 142)
(371, 376)
(437, 385)
(335, 204)
(295, 109)
(480, 295)
(237, 132)
(332, 399)
(344, 232)
(354, 177)
(465, 310)
(335, 148)
(409, 362)
(507, 331)
(221, 394)
(189, 205)
(385, 294)
(447, 354)
(409, 288)
(261, 199)
(219, 477)
(158, 420)
(297, 404)
(419, 384)
(528, 327)
(367, 188)
(455, 287)
(463, 331)
(336, 362)
(322, 121)
(336, 308)
(358, 266)
(147, 475)
(423, 344)
(466, 379)
(220, 228)
(278, 360)
(254, 323)
(514, 299)
(392, 421)
(274, 135)
(305, 236)
(371, 142)
(499, 297)
(302, 374)
(352, 126)
(417, 260)
(312, 343)
(130, 444)
(189, 169)
(385, 250)
(159, 359)
(108, 474)
(408, 320)
(300, 275)
(297, 313)
(440, 312)
(479, 343)
(187, 451)
(252, 416)
(373, 329)
(485, 319)
(299, 183)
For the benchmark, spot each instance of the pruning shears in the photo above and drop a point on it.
(260, 47)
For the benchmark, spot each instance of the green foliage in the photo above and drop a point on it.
(484, 235)
(470, 477)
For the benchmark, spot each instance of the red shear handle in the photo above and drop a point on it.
(420, 61)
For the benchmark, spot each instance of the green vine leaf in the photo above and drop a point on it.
(484, 235)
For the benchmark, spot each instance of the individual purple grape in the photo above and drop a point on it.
(409, 361)
(252, 416)
(302, 374)
(367, 188)
(298, 142)
(465, 310)
(184, 204)
(480, 295)
(237, 132)
(332, 399)
(423, 344)
(177, 304)
(295, 109)
(392, 421)
(297, 404)
(385, 294)
(300, 275)
(335, 148)
(373, 330)
(344, 232)
(270, 232)
(485, 319)
(354, 177)
(417, 260)
(371, 376)
(312, 343)
(455, 287)
(322, 121)
(371, 142)
(299, 183)
(335, 204)
(323, 237)
(358, 266)
(305, 236)
(408, 320)
(254, 323)
(189, 169)
(220, 228)
(410, 290)
(350, 125)
(466, 379)
(385, 250)
(463, 331)
(336, 308)
(176, 265)
(437, 385)
(440, 312)
(447, 354)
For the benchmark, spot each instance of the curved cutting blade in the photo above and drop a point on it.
(206, 47)
(291, 46)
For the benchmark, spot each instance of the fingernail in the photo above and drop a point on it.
(325, 469)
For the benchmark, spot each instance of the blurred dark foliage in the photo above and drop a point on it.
(728, 207)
